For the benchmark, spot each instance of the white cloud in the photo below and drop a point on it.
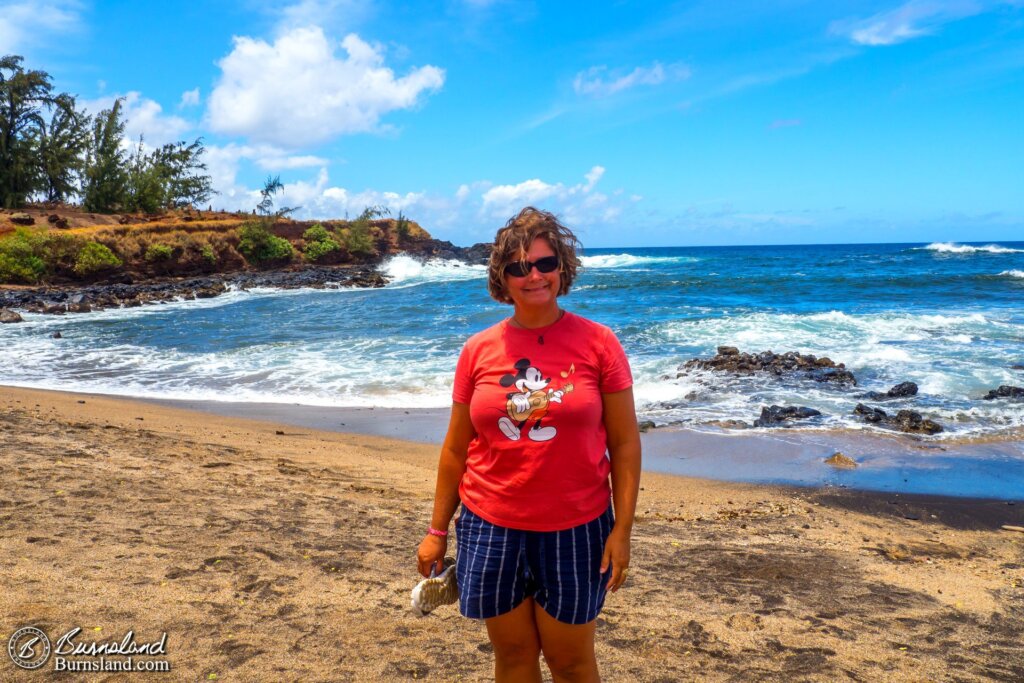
(469, 214)
(189, 98)
(504, 198)
(578, 203)
(592, 176)
(337, 14)
(31, 23)
(910, 20)
(275, 160)
(223, 163)
(142, 116)
(598, 81)
(297, 92)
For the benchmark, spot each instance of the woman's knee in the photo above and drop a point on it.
(514, 635)
(572, 665)
(512, 652)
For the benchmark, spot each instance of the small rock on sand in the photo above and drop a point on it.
(840, 461)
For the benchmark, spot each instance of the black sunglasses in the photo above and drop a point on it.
(523, 268)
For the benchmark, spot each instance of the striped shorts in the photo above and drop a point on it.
(497, 568)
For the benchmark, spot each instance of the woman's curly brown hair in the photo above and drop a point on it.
(512, 242)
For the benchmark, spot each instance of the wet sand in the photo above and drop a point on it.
(992, 467)
(275, 552)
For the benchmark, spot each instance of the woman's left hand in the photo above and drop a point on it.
(616, 553)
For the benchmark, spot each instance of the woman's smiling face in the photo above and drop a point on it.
(535, 289)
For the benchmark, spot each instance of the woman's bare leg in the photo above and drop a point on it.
(516, 645)
(568, 648)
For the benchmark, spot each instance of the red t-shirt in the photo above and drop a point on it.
(538, 461)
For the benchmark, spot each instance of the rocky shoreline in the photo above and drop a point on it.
(126, 290)
(125, 293)
(794, 367)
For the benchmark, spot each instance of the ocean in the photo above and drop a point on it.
(949, 317)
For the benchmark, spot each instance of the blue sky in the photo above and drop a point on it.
(641, 123)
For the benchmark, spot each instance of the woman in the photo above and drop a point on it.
(538, 400)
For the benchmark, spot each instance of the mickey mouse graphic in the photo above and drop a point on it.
(530, 401)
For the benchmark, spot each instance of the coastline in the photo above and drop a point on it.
(897, 463)
(268, 551)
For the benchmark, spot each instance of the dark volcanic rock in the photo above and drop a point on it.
(774, 416)
(729, 424)
(908, 421)
(901, 390)
(57, 335)
(868, 414)
(912, 422)
(123, 291)
(1005, 391)
(646, 426)
(7, 316)
(22, 219)
(477, 254)
(791, 363)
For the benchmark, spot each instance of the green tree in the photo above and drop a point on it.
(169, 177)
(402, 228)
(61, 147)
(105, 176)
(358, 239)
(23, 95)
(181, 168)
(272, 186)
(144, 188)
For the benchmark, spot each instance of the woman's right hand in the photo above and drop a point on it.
(431, 552)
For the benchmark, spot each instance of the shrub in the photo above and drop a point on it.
(62, 251)
(317, 233)
(94, 258)
(259, 246)
(320, 244)
(159, 253)
(316, 251)
(357, 239)
(209, 255)
(25, 269)
(23, 256)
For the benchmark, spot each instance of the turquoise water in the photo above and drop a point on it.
(948, 317)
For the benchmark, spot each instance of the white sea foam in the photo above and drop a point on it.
(954, 248)
(405, 270)
(371, 372)
(630, 261)
(937, 351)
(1013, 273)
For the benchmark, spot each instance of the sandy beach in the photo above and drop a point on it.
(273, 552)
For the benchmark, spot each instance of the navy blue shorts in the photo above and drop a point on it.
(497, 568)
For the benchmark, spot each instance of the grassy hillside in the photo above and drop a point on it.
(66, 244)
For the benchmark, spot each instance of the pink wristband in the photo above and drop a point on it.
(437, 532)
